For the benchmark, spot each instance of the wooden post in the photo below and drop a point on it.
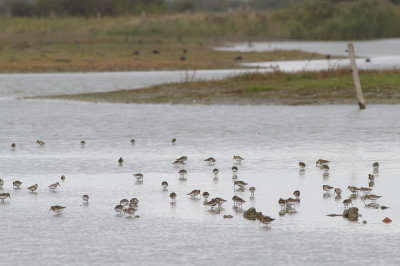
(356, 78)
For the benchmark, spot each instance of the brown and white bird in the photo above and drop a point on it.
(182, 174)
(173, 196)
(212, 203)
(133, 202)
(325, 167)
(347, 202)
(1, 182)
(371, 177)
(206, 195)
(252, 190)
(130, 211)
(215, 172)
(164, 184)
(124, 202)
(219, 201)
(63, 178)
(302, 165)
(3, 196)
(210, 161)
(375, 165)
(83, 143)
(372, 197)
(338, 191)
(13, 146)
(173, 141)
(85, 198)
(52, 187)
(282, 202)
(57, 209)
(33, 188)
(240, 184)
(238, 159)
(365, 190)
(132, 141)
(238, 201)
(234, 170)
(265, 220)
(119, 209)
(327, 188)
(194, 193)
(353, 189)
(321, 162)
(139, 177)
(120, 160)
(17, 184)
(296, 193)
(41, 143)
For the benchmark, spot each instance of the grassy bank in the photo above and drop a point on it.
(326, 87)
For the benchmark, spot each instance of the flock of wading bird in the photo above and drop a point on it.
(129, 207)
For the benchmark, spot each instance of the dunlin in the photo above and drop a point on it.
(325, 167)
(194, 193)
(17, 184)
(85, 198)
(365, 190)
(57, 209)
(240, 184)
(133, 202)
(83, 143)
(124, 202)
(210, 161)
(252, 190)
(234, 170)
(164, 184)
(119, 209)
(265, 220)
(206, 195)
(282, 202)
(139, 177)
(375, 165)
(132, 141)
(353, 189)
(327, 188)
(321, 162)
(172, 196)
(3, 196)
(130, 211)
(41, 143)
(347, 202)
(338, 191)
(1, 182)
(182, 174)
(62, 177)
(371, 177)
(302, 165)
(219, 201)
(239, 201)
(296, 193)
(238, 159)
(212, 203)
(120, 160)
(52, 187)
(33, 188)
(173, 141)
(215, 172)
(13, 146)
(372, 197)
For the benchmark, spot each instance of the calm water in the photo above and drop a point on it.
(272, 139)
(383, 54)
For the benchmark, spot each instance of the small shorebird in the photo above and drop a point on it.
(62, 177)
(57, 209)
(210, 161)
(194, 193)
(85, 199)
(133, 202)
(52, 187)
(375, 165)
(182, 174)
(353, 189)
(252, 190)
(325, 167)
(130, 211)
(33, 188)
(327, 188)
(347, 202)
(365, 190)
(120, 160)
(212, 203)
(302, 165)
(238, 159)
(219, 201)
(206, 195)
(132, 141)
(215, 172)
(83, 143)
(173, 141)
(371, 177)
(119, 209)
(1, 182)
(240, 184)
(17, 184)
(372, 197)
(173, 196)
(296, 193)
(41, 143)
(282, 203)
(164, 184)
(124, 202)
(182, 158)
(265, 220)
(238, 201)
(139, 177)
(337, 191)
(321, 162)
(234, 170)
(3, 196)
(13, 146)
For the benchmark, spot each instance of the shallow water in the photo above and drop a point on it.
(272, 139)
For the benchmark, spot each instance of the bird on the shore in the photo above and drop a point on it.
(302, 165)
(321, 162)
(52, 187)
(372, 197)
(252, 190)
(365, 190)
(132, 141)
(3, 196)
(41, 143)
(240, 184)
(119, 209)
(139, 177)
(215, 172)
(85, 198)
(347, 202)
(133, 202)
(234, 171)
(33, 188)
(124, 202)
(238, 159)
(120, 160)
(13, 146)
(338, 191)
(206, 195)
(62, 177)
(327, 188)
(238, 201)
(130, 211)
(219, 201)
(371, 177)
(17, 184)
(212, 203)
(375, 165)
(164, 184)
(210, 161)
(265, 220)
(173, 141)
(83, 143)
(1, 182)
(173, 196)
(353, 189)
(194, 193)
(296, 193)
(282, 202)
(182, 174)
(57, 209)
(325, 167)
